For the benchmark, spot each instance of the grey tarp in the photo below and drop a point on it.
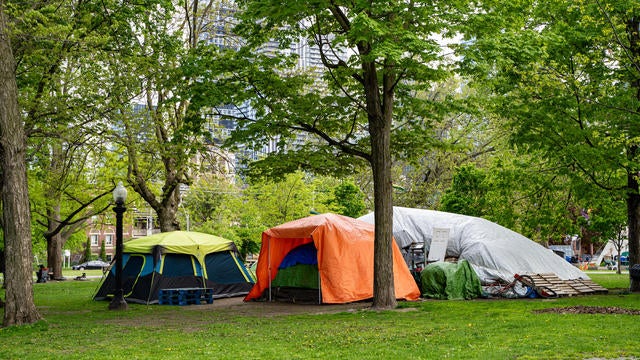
(493, 251)
(452, 281)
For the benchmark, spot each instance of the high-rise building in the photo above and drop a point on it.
(309, 59)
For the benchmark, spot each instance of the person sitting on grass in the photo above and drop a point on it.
(42, 274)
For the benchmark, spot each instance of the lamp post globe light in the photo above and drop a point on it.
(119, 197)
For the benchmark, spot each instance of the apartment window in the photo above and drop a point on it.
(94, 239)
(108, 239)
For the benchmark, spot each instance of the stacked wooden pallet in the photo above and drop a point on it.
(568, 287)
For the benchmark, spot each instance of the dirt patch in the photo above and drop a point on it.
(274, 308)
(590, 310)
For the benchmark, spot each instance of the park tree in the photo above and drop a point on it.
(156, 131)
(19, 307)
(374, 55)
(242, 211)
(208, 201)
(467, 136)
(103, 251)
(567, 78)
(467, 193)
(520, 192)
(66, 191)
(281, 201)
(61, 48)
(347, 200)
(87, 255)
(605, 220)
(60, 74)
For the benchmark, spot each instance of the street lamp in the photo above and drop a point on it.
(119, 197)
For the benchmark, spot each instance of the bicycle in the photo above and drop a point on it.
(513, 289)
(542, 291)
(521, 286)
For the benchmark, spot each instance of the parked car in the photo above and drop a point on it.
(92, 265)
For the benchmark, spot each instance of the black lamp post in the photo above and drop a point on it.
(119, 197)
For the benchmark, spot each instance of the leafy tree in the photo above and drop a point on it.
(62, 203)
(375, 56)
(605, 220)
(160, 134)
(526, 196)
(348, 200)
(467, 193)
(567, 76)
(76, 242)
(19, 307)
(242, 213)
(522, 193)
(61, 48)
(103, 251)
(282, 201)
(87, 250)
(468, 136)
(208, 200)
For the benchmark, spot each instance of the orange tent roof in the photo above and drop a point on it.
(345, 258)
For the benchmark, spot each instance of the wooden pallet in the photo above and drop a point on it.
(568, 287)
(589, 284)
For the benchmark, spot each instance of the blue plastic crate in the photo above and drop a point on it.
(185, 296)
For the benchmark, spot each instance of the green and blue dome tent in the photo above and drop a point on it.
(178, 259)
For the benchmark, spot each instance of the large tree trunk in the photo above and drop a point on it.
(379, 113)
(16, 218)
(633, 197)
(54, 242)
(167, 216)
(54, 255)
(383, 283)
(167, 211)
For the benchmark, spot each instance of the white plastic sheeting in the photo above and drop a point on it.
(493, 251)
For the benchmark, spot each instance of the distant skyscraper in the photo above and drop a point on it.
(309, 59)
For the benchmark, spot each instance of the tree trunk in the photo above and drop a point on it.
(379, 114)
(52, 235)
(383, 283)
(633, 222)
(54, 242)
(633, 197)
(167, 212)
(167, 219)
(54, 255)
(16, 218)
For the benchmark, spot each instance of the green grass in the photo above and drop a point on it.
(75, 327)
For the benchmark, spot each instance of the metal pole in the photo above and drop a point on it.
(118, 302)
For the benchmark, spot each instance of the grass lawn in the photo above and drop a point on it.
(76, 327)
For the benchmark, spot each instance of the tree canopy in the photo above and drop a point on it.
(566, 77)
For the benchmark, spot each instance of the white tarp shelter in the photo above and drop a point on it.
(493, 251)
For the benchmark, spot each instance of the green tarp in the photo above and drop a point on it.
(300, 276)
(444, 280)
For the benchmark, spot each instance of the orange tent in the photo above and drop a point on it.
(344, 258)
